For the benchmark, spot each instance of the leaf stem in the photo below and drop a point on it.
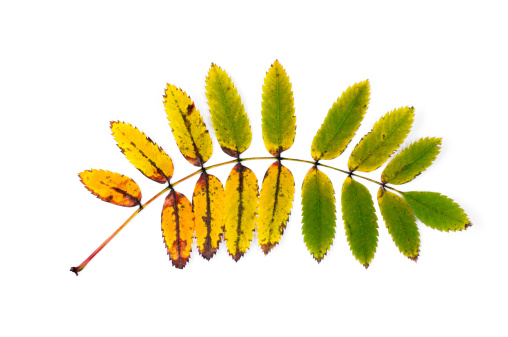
(79, 268)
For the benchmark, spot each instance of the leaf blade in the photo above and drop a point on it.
(207, 204)
(275, 202)
(227, 112)
(187, 126)
(277, 111)
(112, 187)
(177, 224)
(400, 222)
(240, 209)
(412, 161)
(378, 145)
(142, 152)
(318, 213)
(360, 220)
(437, 211)
(341, 122)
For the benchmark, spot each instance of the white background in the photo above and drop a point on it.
(69, 68)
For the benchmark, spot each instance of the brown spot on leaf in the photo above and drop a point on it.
(267, 247)
(180, 261)
(229, 152)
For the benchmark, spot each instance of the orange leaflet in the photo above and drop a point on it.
(112, 187)
(208, 206)
(178, 228)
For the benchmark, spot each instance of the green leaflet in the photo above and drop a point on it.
(341, 122)
(278, 111)
(228, 115)
(378, 145)
(412, 161)
(400, 222)
(318, 210)
(360, 220)
(437, 211)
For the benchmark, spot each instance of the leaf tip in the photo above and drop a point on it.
(267, 247)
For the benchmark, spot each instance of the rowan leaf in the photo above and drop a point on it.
(241, 195)
(379, 144)
(360, 220)
(318, 211)
(278, 111)
(112, 187)
(400, 222)
(208, 207)
(275, 202)
(228, 115)
(177, 228)
(341, 122)
(187, 126)
(412, 161)
(437, 211)
(142, 152)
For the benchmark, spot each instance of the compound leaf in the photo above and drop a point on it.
(378, 145)
(275, 202)
(177, 228)
(341, 122)
(240, 208)
(437, 211)
(142, 152)
(400, 222)
(208, 204)
(278, 111)
(318, 211)
(412, 161)
(112, 187)
(360, 220)
(187, 126)
(228, 115)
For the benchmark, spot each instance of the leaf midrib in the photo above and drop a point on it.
(437, 211)
(227, 112)
(413, 162)
(186, 122)
(383, 141)
(359, 212)
(349, 110)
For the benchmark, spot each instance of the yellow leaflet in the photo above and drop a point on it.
(187, 125)
(142, 152)
(177, 228)
(278, 111)
(112, 187)
(241, 203)
(275, 204)
(208, 204)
